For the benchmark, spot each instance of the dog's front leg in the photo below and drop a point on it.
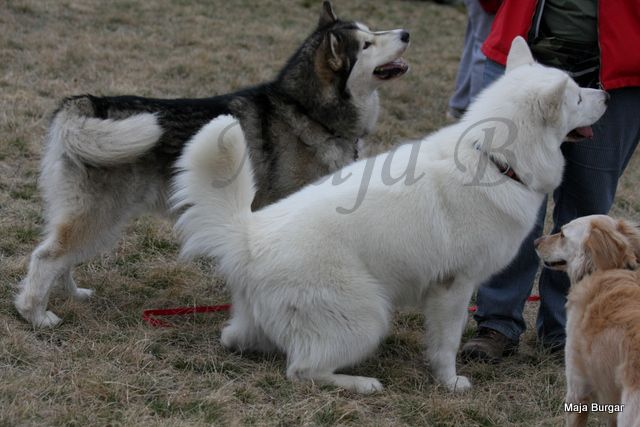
(578, 390)
(577, 417)
(445, 316)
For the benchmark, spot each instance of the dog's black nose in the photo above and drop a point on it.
(607, 97)
(405, 36)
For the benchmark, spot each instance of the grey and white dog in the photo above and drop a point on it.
(109, 159)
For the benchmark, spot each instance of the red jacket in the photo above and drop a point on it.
(618, 33)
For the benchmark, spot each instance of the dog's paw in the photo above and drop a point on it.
(229, 338)
(47, 320)
(82, 294)
(458, 384)
(36, 316)
(364, 385)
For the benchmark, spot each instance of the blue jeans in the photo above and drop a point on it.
(469, 81)
(591, 175)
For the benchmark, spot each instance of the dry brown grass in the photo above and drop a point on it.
(104, 365)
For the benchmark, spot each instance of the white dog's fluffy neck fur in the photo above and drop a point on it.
(321, 286)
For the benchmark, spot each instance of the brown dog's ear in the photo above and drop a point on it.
(326, 16)
(607, 248)
(632, 233)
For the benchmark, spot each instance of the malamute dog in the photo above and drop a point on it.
(321, 285)
(108, 159)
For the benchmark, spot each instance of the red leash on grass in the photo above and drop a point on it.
(531, 298)
(149, 315)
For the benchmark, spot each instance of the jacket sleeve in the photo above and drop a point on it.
(512, 19)
(619, 37)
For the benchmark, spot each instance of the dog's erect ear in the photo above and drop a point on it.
(333, 51)
(632, 233)
(330, 58)
(551, 99)
(519, 54)
(327, 16)
(607, 248)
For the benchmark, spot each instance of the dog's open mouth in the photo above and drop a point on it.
(580, 133)
(555, 264)
(392, 69)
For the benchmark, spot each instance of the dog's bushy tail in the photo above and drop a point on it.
(102, 142)
(214, 190)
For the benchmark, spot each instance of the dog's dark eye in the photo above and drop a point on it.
(366, 45)
(561, 234)
(579, 99)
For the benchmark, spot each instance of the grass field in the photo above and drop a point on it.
(104, 365)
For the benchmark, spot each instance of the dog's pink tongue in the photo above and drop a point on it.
(585, 131)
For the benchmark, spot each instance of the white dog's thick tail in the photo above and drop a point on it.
(102, 142)
(214, 190)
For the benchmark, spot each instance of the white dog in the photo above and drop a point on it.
(320, 282)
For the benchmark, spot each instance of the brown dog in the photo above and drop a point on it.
(600, 255)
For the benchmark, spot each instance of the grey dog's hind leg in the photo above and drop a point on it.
(45, 267)
(68, 243)
(71, 289)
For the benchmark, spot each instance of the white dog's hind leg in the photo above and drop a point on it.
(336, 331)
(242, 332)
(362, 385)
(445, 316)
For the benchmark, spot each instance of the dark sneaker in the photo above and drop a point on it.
(488, 345)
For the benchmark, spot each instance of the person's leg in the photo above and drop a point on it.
(500, 303)
(501, 299)
(589, 186)
(469, 80)
(459, 101)
(481, 27)
(492, 71)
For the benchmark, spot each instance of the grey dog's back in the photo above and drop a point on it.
(284, 158)
(177, 119)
